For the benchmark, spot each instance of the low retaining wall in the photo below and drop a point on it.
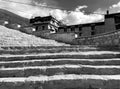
(112, 38)
(63, 84)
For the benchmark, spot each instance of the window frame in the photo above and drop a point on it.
(43, 27)
(117, 19)
(72, 29)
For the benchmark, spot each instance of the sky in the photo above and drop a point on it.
(70, 12)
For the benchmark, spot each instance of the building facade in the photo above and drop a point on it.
(111, 23)
(47, 23)
(59, 31)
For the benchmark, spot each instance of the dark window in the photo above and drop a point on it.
(72, 29)
(93, 30)
(80, 28)
(118, 26)
(43, 27)
(53, 21)
(93, 33)
(92, 27)
(117, 19)
(32, 20)
(80, 34)
(65, 30)
(37, 28)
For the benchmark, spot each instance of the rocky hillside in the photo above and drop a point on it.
(12, 18)
(10, 37)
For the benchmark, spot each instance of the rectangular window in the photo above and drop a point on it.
(80, 28)
(117, 26)
(92, 33)
(37, 28)
(92, 27)
(93, 30)
(80, 34)
(117, 19)
(43, 27)
(72, 29)
(65, 30)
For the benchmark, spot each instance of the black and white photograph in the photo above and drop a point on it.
(59, 44)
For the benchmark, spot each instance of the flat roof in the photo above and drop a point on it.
(112, 15)
(84, 25)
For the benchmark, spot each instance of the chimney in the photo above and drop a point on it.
(107, 12)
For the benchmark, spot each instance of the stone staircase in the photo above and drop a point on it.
(61, 67)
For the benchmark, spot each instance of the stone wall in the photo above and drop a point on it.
(63, 37)
(112, 38)
(63, 84)
(86, 31)
(109, 24)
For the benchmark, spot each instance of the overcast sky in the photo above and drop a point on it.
(66, 11)
(92, 4)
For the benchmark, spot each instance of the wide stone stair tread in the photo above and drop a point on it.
(68, 55)
(48, 49)
(50, 62)
(58, 70)
(62, 82)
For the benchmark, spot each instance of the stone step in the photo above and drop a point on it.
(49, 49)
(59, 69)
(74, 55)
(62, 82)
(50, 62)
(81, 69)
